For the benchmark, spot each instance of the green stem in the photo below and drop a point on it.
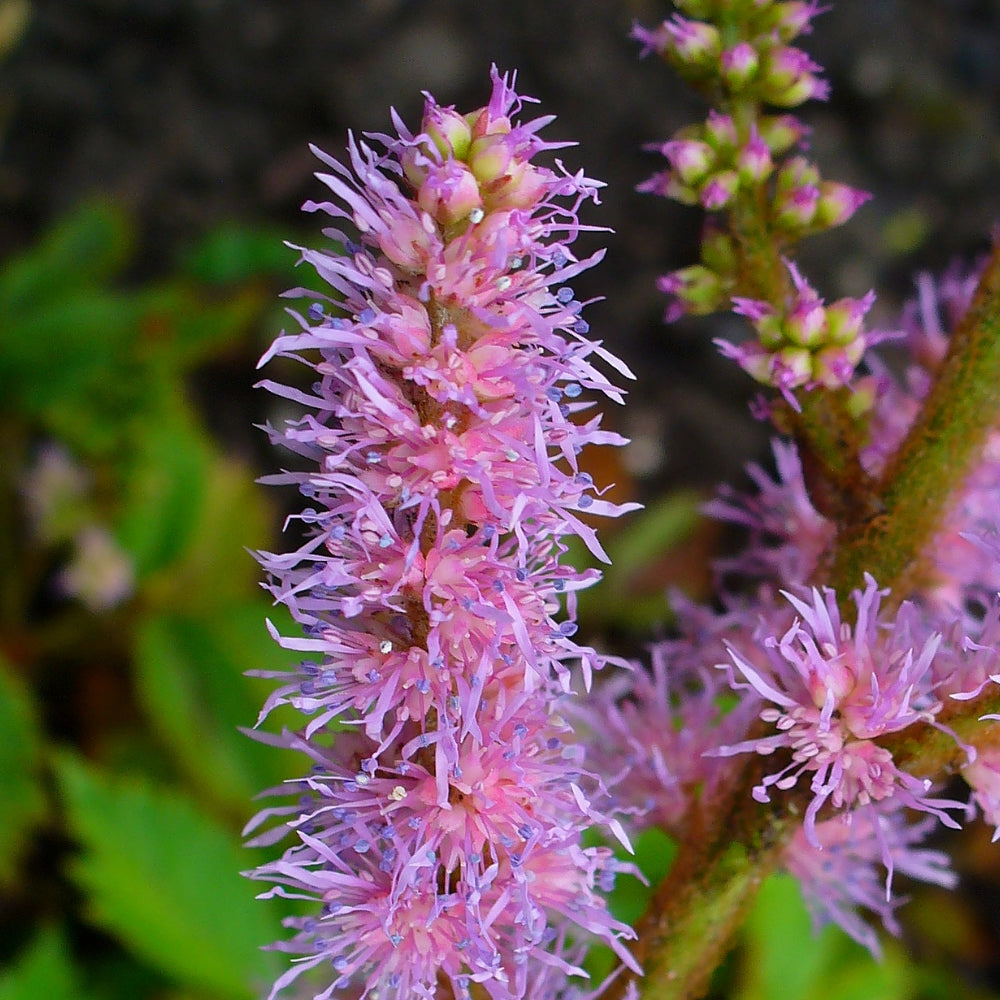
(935, 460)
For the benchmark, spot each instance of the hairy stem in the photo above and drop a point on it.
(936, 458)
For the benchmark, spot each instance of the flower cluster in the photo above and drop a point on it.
(834, 690)
(734, 161)
(439, 827)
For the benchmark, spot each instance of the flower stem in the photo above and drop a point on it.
(936, 457)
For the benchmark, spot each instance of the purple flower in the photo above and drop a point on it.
(834, 690)
(788, 536)
(649, 730)
(839, 870)
(440, 825)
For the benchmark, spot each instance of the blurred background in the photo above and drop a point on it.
(153, 158)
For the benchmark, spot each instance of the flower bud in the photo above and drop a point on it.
(719, 190)
(833, 366)
(805, 323)
(753, 161)
(449, 193)
(690, 159)
(522, 186)
(697, 290)
(448, 130)
(739, 65)
(795, 208)
(837, 203)
(489, 157)
(787, 78)
(720, 132)
(797, 172)
(780, 132)
(794, 17)
(845, 318)
(693, 44)
(792, 367)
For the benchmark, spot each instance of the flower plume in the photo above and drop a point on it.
(439, 826)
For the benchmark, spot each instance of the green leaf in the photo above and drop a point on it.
(215, 569)
(22, 803)
(44, 971)
(634, 550)
(784, 958)
(82, 250)
(654, 854)
(69, 349)
(234, 253)
(191, 681)
(164, 485)
(164, 879)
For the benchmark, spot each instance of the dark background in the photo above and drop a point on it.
(198, 112)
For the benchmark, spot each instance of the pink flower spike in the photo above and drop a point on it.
(439, 827)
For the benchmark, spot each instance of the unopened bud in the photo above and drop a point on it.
(787, 78)
(719, 190)
(739, 65)
(693, 44)
(450, 192)
(690, 159)
(780, 132)
(794, 17)
(448, 130)
(845, 318)
(797, 172)
(753, 162)
(795, 208)
(489, 156)
(697, 289)
(792, 367)
(837, 203)
(833, 366)
(720, 133)
(805, 323)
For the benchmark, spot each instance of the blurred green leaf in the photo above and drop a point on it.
(651, 532)
(191, 681)
(784, 958)
(164, 880)
(634, 550)
(215, 570)
(164, 483)
(84, 249)
(44, 972)
(71, 349)
(200, 328)
(235, 253)
(22, 803)
(654, 854)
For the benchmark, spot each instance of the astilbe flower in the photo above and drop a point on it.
(439, 826)
(650, 730)
(834, 690)
(840, 870)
